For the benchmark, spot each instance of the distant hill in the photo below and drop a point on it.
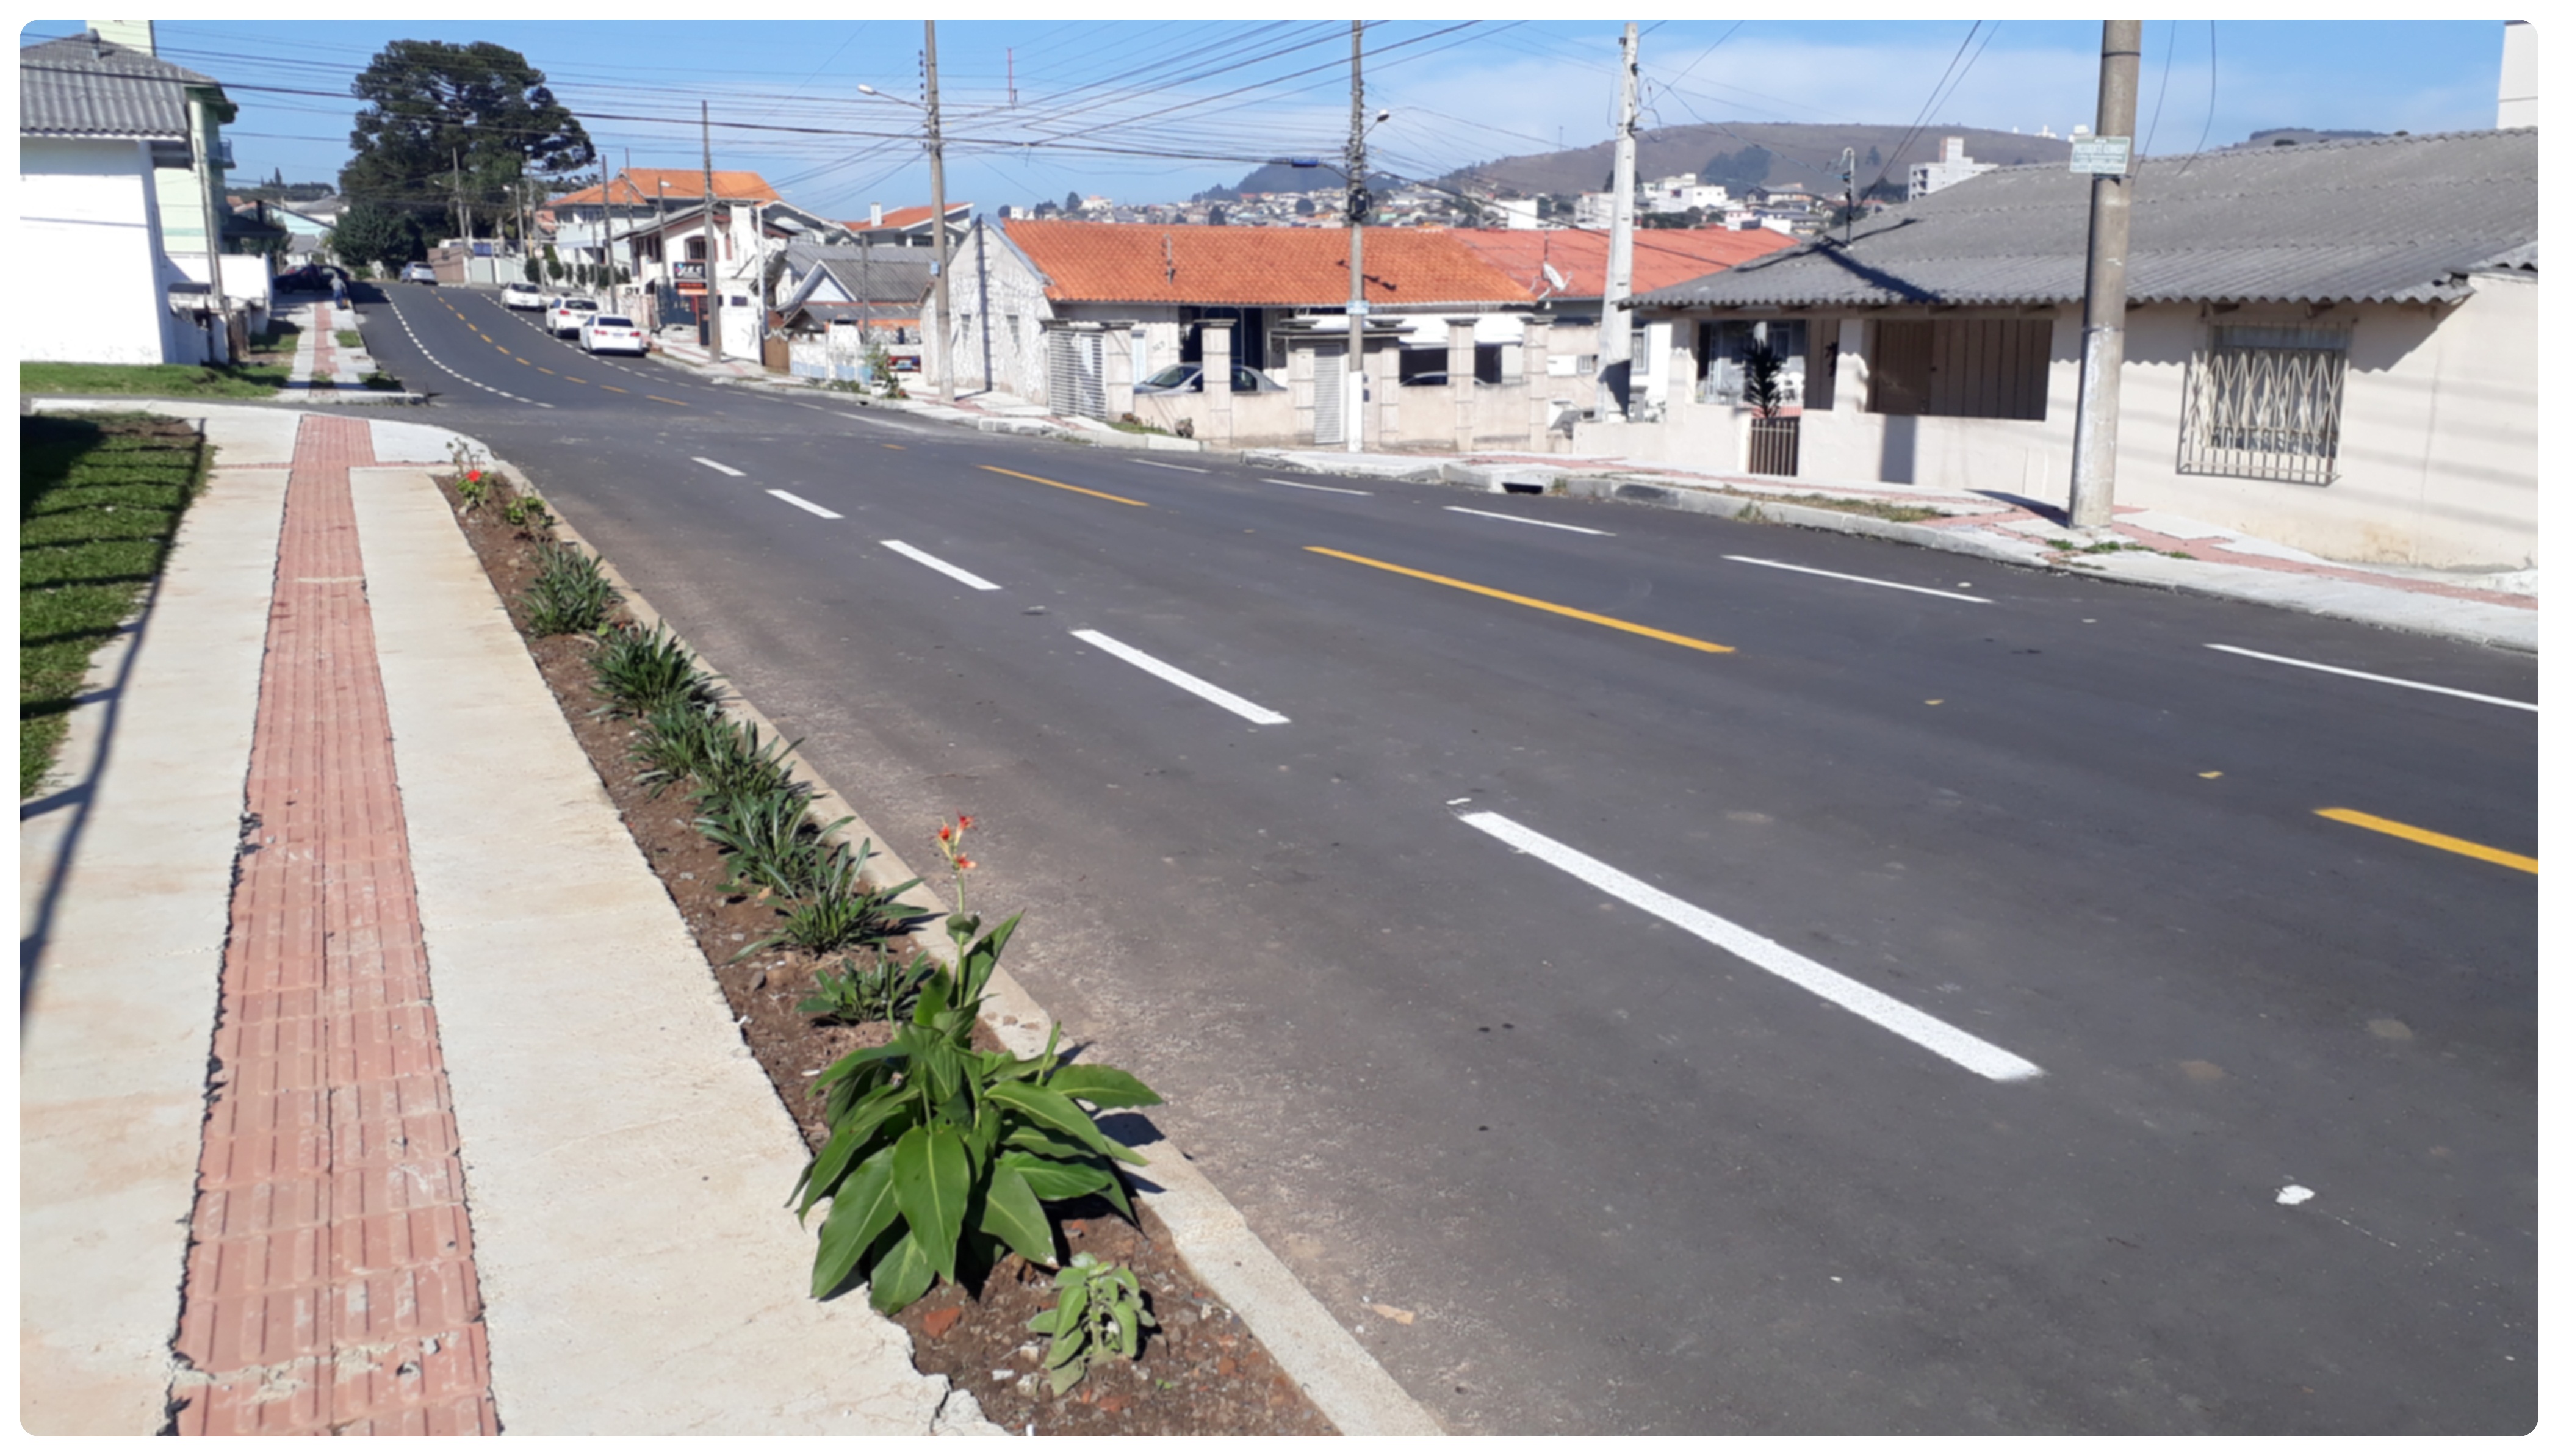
(1778, 151)
(1280, 176)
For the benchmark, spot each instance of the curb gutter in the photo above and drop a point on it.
(1328, 1364)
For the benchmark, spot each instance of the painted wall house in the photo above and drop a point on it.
(677, 260)
(2332, 345)
(909, 227)
(110, 138)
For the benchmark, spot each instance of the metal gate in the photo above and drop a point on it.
(1074, 374)
(1776, 444)
(1328, 366)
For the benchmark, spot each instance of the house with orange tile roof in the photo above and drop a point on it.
(909, 226)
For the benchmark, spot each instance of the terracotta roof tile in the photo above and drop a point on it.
(904, 216)
(1663, 255)
(637, 187)
(1110, 262)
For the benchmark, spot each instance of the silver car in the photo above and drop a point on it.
(1185, 378)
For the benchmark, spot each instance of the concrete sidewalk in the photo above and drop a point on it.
(369, 1081)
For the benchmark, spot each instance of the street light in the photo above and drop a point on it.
(932, 110)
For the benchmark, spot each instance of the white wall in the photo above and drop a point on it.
(1015, 306)
(85, 218)
(2437, 457)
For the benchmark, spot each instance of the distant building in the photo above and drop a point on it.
(1518, 214)
(1682, 193)
(1950, 167)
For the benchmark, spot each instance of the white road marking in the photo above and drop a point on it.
(2293, 1193)
(1526, 520)
(447, 368)
(1241, 708)
(2501, 702)
(715, 465)
(1164, 465)
(1902, 1019)
(964, 578)
(812, 508)
(1926, 591)
(1301, 485)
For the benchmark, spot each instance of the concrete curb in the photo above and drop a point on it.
(1329, 1364)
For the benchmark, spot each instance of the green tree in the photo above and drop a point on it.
(370, 233)
(431, 106)
(1074, 201)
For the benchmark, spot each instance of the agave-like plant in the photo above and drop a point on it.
(884, 990)
(738, 764)
(766, 840)
(568, 592)
(944, 1156)
(671, 746)
(832, 911)
(643, 671)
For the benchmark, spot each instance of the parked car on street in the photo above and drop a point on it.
(309, 278)
(521, 296)
(417, 273)
(611, 334)
(568, 315)
(1185, 378)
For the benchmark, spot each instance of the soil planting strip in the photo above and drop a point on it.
(330, 1285)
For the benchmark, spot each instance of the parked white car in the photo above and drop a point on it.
(521, 296)
(415, 273)
(568, 315)
(611, 334)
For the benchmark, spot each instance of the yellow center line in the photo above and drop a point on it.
(1557, 608)
(2508, 858)
(1061, 484)
(887, 446)
(572, 379)
(485, 339)
(660, 398)
(520, 358)
(615, 388)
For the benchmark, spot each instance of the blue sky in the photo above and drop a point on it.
(1147, 111)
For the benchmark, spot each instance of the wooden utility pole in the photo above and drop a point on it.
(2110, 246)
(942, 342)
(1353, 196)
(1616, 308)
(710, 249)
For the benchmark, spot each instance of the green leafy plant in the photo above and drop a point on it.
(882, 991)
(738, 764)
(1100, 1310)
(1763, 386)
(943, 1157)
(528, 510)
(474, 488)
(831, 911)
(672, 745)
(644, 670)
(764, 839)
(568, 592)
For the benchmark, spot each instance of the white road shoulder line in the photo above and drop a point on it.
(1167, 465)
(1302, 486)
(964, 578)
(1241, 708)
(812, 507)
(2501, 702)
(1949, 1042)
(715, 465)
(1925, 591)
(1526, 520)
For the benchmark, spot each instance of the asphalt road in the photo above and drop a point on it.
(1716, 997)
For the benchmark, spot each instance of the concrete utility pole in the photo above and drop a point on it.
(1355, 384)
(460, 206)
(1617, 315)
(2110, 246)
(940, 231)
(985, 310)
(710, 249)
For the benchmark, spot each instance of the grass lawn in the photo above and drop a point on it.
(349, 339)
(98, 500)
(198, 382)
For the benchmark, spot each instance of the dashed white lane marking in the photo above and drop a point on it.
(1525, 520)
(812, 507)
(1164, 465)
(1902, 1019)
(1241, 708)
(963, 577)
(2293, 1193)
(447, 368)
(715, 465)
(1925, 591)
(1302, 486)
(2501, 702)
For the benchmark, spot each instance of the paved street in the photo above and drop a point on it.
(1850, 989)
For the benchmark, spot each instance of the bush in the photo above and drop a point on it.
(568, 594)
(830, 911)
(943, 1156)
(884, 990)
(643, 671)
(737, 763)
(673, 746)
(764, 839)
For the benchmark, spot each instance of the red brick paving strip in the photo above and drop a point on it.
(329, 1285)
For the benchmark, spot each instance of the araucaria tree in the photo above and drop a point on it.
(432, 109)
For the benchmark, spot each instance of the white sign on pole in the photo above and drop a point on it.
(2107, 156)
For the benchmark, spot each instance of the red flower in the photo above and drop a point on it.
(963, 862)
(475, 476)
(966, 823)
(946, 833)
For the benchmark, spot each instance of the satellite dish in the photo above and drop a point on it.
(1552, 276)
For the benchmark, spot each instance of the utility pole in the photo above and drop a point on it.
(985, 313)
(2110, 246)
(941, 232)
(460, 206)
(1847, 175)
(1353, 197)
(1617, 313)
(710, 249)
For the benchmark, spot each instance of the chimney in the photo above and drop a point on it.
(2517, 91)
(876, 214)
(135, 35)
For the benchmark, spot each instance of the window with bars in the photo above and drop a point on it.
(2262, 402)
